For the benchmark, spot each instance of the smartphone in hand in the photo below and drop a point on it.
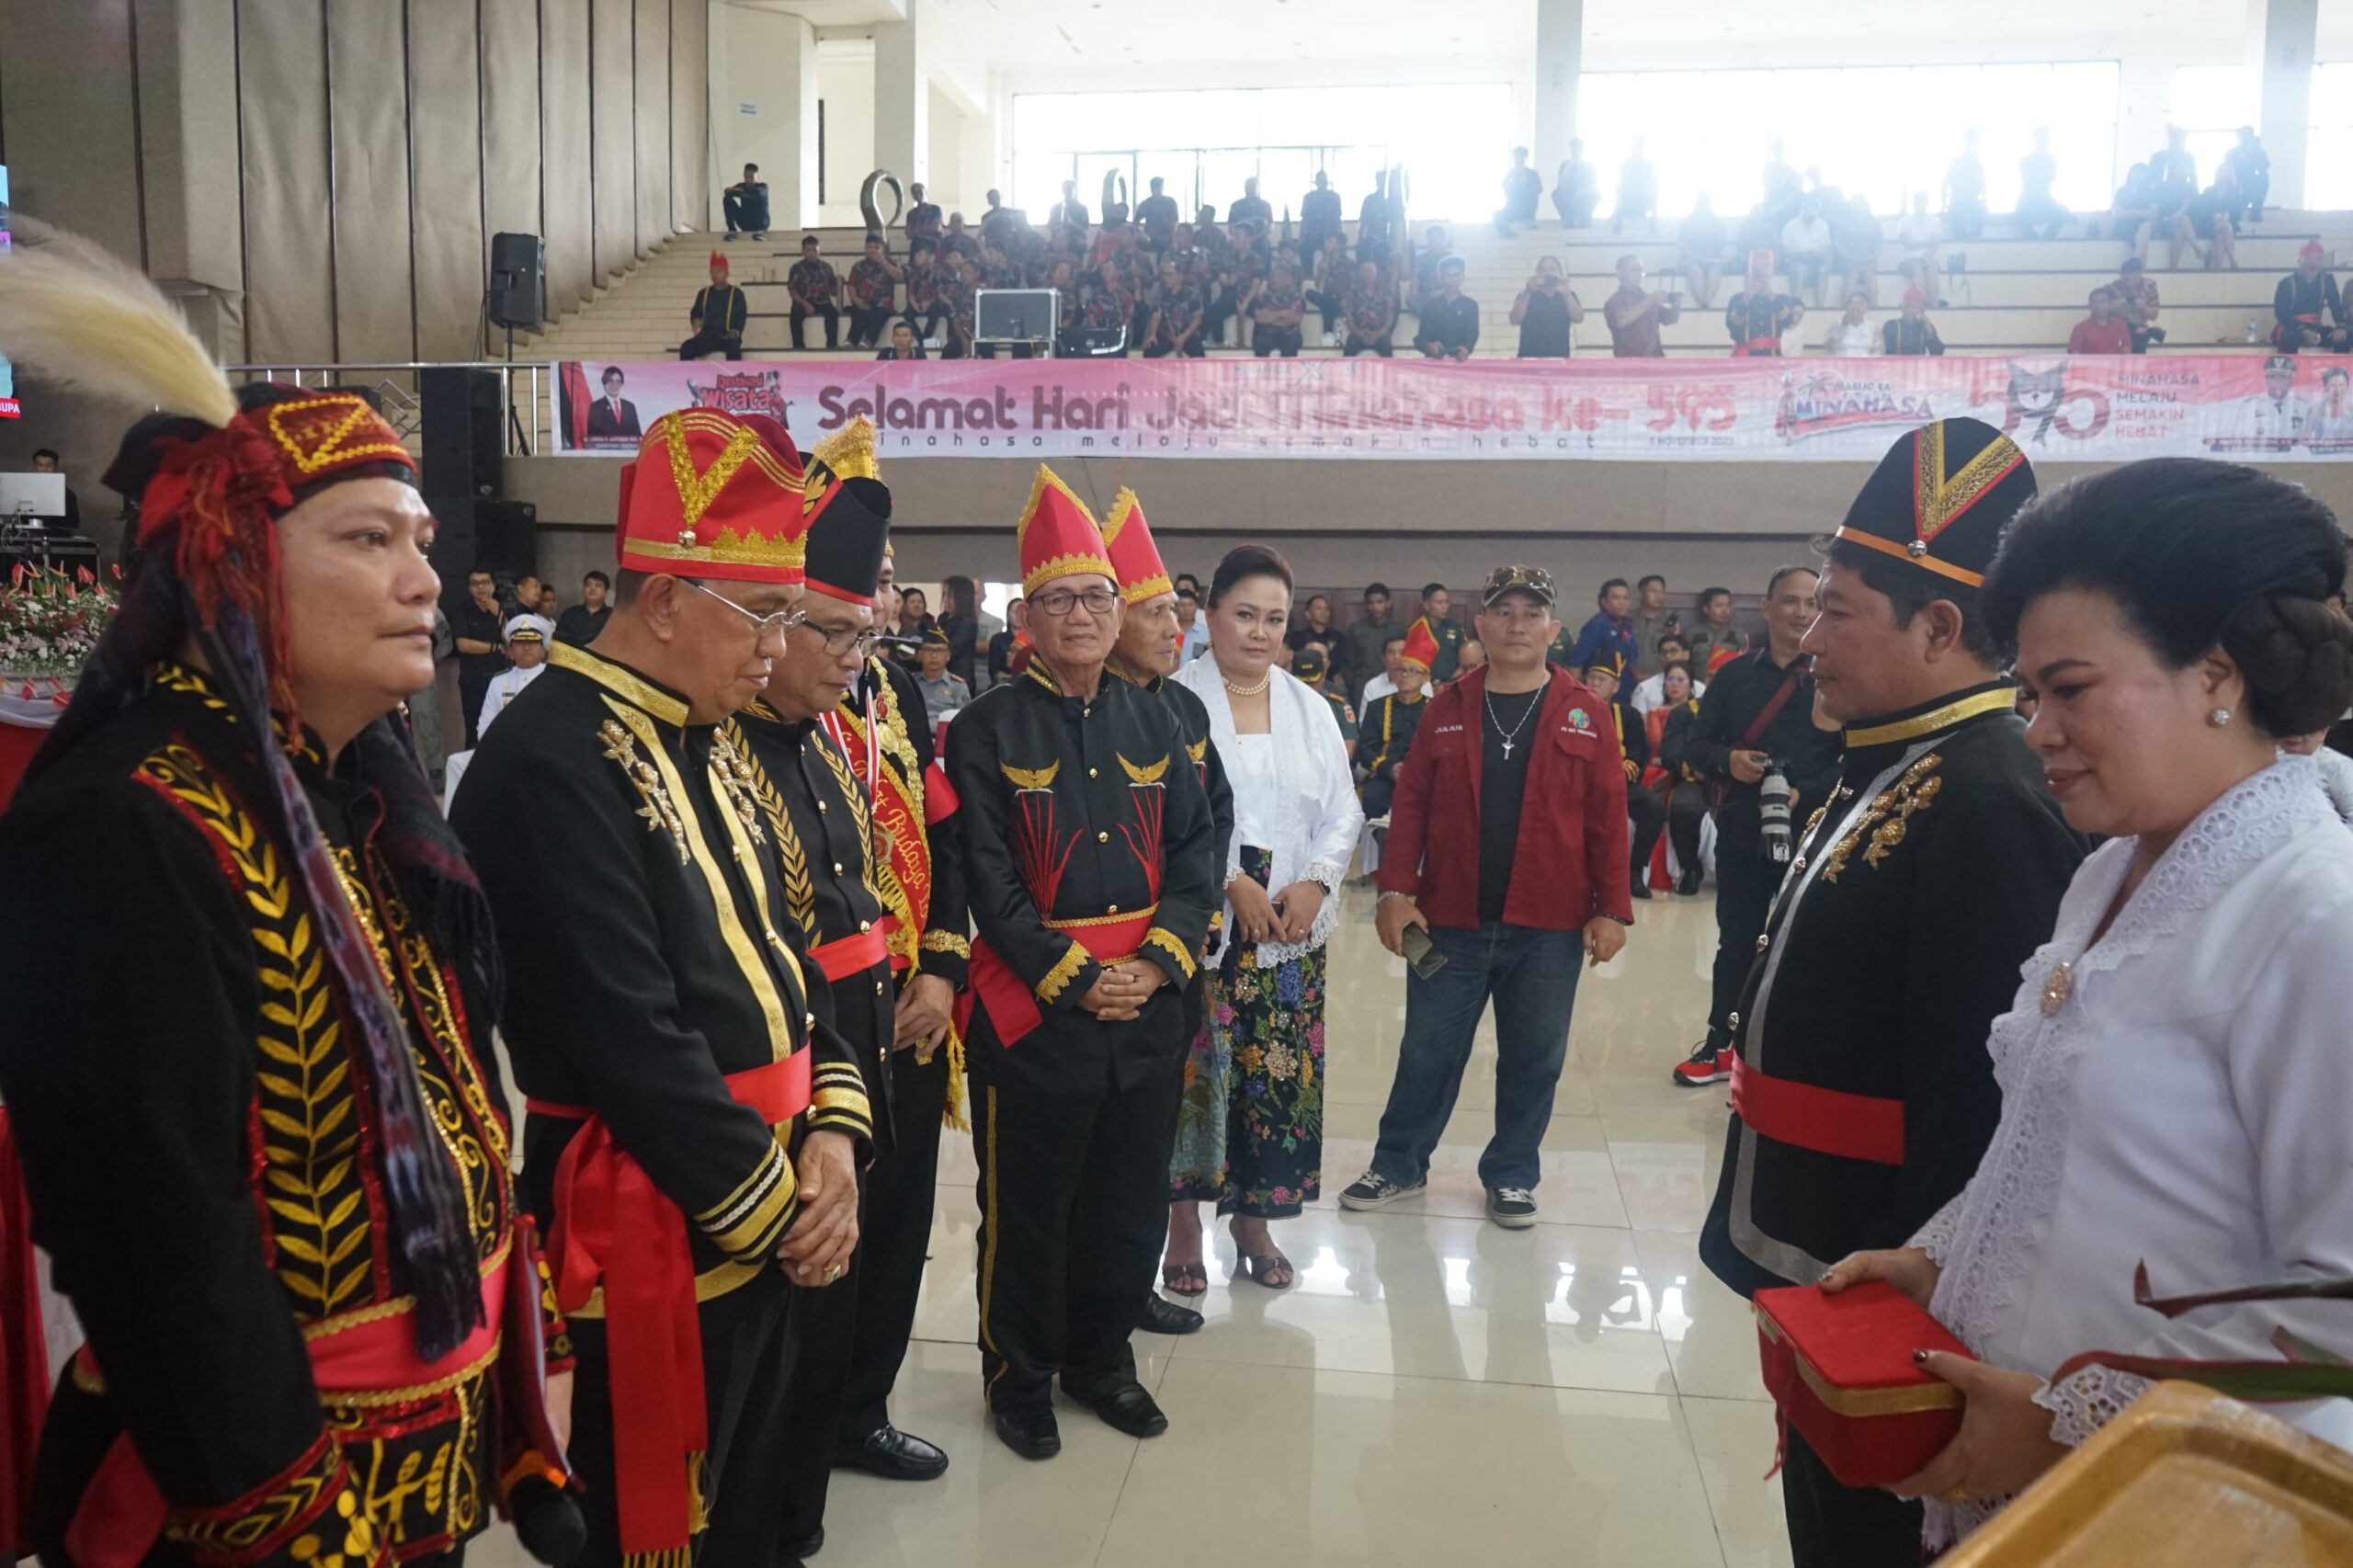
(1421, 953)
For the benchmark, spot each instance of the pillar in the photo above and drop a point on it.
(764, 109)
(2144, 103)
(902, 98)
(2283, 52)
(1560, 60)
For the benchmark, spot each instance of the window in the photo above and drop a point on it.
(2328, 161)
(1883, 131)
(2210, 102)
(1454, 137)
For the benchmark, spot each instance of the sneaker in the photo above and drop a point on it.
(1707, 1064)
(1331, 340)
(761, 234)
(735, 234)
(1372, 1190)
(1513, 1208)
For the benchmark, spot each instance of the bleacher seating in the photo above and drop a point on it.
(2016, 295)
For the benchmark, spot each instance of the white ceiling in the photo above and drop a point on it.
(1048, 33)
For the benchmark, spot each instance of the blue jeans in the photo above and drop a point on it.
(1533, 976)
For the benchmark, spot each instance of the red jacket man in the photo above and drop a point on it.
(1520, 869)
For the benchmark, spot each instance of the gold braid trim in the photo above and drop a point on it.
(946, 941)
(1065, 969)
(800, 891)
(1156, 937)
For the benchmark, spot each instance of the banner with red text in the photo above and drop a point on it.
(2108, 409)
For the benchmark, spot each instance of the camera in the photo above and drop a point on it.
(1773, 811)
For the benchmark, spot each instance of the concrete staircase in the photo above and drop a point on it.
(2016, 295)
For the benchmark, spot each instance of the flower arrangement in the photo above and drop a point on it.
(50, 621)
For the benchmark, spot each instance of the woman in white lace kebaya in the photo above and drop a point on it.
(1250, 1131)
(2174, 1080)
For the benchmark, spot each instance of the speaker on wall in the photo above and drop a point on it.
(462, 432)
(498, 536)
(518, 274)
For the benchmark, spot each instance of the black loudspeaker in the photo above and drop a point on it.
(498, 537)
(462, 431)
(506, 536)
(518, 281)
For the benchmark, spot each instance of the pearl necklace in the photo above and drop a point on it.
(1259, 689)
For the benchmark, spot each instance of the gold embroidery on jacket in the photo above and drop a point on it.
(660, 814)
(1882, 825)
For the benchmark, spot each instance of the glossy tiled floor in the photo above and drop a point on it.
(1434, 1391)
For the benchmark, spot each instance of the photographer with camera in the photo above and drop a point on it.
(1758, 710)
(1543, 313)
(1863, 1097)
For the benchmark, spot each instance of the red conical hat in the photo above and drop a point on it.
(1127, 537)
(714, 494)
(1421, 646)
(1058, 537)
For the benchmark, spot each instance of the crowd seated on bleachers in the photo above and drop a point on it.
(1154, 285)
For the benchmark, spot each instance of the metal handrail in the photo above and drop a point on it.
(524, 434)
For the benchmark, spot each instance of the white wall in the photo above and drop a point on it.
(767, 63)
(846, 87)
(946, 124)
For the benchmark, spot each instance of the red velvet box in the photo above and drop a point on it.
(1841, 1368)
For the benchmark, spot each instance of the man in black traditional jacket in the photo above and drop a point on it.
(813, 765)
(695, 1132)
(249, 981)
(1145, 655)
(1862, 1095)
(1089, 861)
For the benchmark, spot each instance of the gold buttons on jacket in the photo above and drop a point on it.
(822, 807)
(837, 868)
(1090, 773)
(1102, 838)
(1763, 943)
(877, 988)
(1731, 1020)
(866, 925)
(1113, 910)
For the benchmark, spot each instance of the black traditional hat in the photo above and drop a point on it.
(1938, 501)
(846, 508)
(935, 638)
(1311, 662)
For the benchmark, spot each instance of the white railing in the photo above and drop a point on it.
(525, 390)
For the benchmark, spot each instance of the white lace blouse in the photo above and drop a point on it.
(2180, 1095)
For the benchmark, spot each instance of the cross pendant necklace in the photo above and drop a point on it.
(1511, 738)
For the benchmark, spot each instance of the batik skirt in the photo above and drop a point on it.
(1250, 1131)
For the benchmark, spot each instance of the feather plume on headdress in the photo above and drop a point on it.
(76, 316)
(213, 479)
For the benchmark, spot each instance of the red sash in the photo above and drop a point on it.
(1758, 348)
(1012, 1005)
(1828, 1122)
(121, 1514)
(846, 956)
(613, 1225)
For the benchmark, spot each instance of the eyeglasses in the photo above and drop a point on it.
(775, 625)
(1098, 601)
(840, 640)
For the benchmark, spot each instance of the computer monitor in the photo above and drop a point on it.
(25, 495)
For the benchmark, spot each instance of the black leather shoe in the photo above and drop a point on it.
(1127, 1407)
(1162, 1316)
(892, 1455)
(794, 1552)
(1030, 1432)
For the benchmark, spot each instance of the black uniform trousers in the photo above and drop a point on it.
(866, 325)
(1745, 886)
(895, 1240)
(1073, 1193)
(1833, 1525)
(1687, 809)
(1646, 813)
(854, 1332)
(833, 314)
(750, 1350)
(708, 342)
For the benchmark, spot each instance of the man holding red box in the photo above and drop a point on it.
(1862, 1094)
